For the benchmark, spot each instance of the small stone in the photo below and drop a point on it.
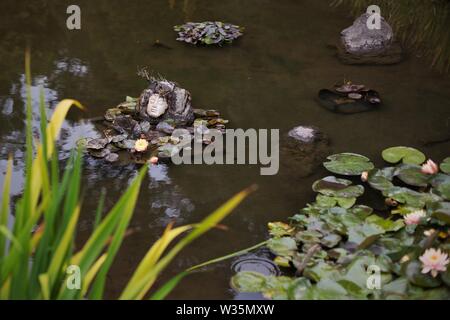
(165, 127)
(97, 144)
(112, 157)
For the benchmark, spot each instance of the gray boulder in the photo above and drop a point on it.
(358, 39)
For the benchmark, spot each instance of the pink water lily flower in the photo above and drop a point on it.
(430, 167)
(414, 217)
(435, 261)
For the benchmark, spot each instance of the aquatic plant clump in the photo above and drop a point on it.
(142, 127)
(208, 33)
(341, 249)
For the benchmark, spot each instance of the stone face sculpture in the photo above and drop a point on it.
(156, 106)
(359, 39)
(164, 100)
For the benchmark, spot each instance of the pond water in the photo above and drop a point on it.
(268, 79)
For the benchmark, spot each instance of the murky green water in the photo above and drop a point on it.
(269, 79)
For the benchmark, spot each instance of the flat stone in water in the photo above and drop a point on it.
(97, 144)
(165, 127)
(99, 153)
(112, 157)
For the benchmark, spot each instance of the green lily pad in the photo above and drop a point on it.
(284, 246)
(280, 229)
(349, 164)
(441, 183)
(410, 197)
(412, 175)
(329, 202)
(406, 154)
(440, 210)
(445, 165)
(381, 179)
(321, 270)
(248, 281)
(340, 188)
(413, 271)
(387, 224)
(331, 240)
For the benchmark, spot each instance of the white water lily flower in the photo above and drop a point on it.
(435, 261)
(141, 145)
(414, 217)
(430, 167)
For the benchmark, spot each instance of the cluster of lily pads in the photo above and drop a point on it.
(125, 132)
(208, 33)
(343, 250)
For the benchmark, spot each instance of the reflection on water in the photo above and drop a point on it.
(268, 79)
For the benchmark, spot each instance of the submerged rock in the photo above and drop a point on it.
(302, 150)
(349, 98)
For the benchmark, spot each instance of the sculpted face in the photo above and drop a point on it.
(156, 106)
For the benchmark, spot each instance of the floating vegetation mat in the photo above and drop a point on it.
(208, 33)
(342, 249)
(349, 98)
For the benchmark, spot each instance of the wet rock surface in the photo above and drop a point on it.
(361, 45)
(349, 98)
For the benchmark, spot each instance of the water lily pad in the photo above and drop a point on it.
(349, 164)
(406, 154)
(381, 179)
(445, 165)
(248, 281)
(441, 211)
(413, 271)
(441, 183)
(329, 201)
(280, 229)
(321, 270)
(284, 246)
(412, 175)
(331, 240)
(410, 197)
(334, 187)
